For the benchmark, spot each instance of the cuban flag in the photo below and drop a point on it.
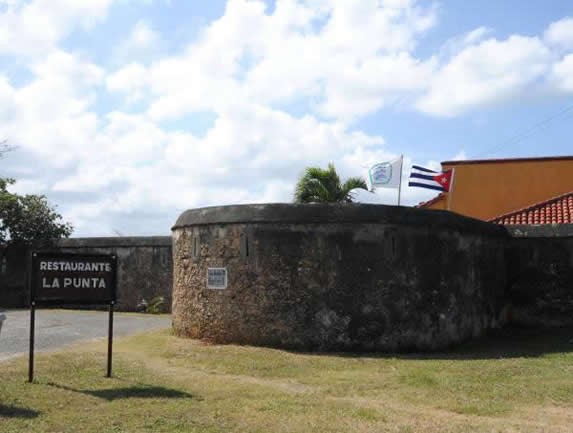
(425, 178)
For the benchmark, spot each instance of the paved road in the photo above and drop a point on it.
(59, 328)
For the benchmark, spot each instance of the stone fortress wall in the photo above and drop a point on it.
(145, 268)
(358, 277)
(540, 273)
(338, 277)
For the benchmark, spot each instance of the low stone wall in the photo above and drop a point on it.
(540, 273)
(145, 269)
(13, 293)
(337, 277)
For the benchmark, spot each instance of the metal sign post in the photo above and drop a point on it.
(57, 278)
(110, 339)
(32, 331)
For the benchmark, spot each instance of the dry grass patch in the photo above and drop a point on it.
(514, 382)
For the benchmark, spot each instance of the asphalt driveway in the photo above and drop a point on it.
(58, 328)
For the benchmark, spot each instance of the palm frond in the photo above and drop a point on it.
(318, 185)
(351, 184)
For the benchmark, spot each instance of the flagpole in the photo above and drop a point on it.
(451, 188)
(400, 180)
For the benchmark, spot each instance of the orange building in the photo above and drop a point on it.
(487, 189)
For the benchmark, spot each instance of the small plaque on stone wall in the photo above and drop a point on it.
(217, 278)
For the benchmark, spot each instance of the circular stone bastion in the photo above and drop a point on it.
(336, 277)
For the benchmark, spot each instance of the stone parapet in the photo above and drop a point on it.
(337, 277)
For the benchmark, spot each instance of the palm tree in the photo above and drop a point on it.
(317, 185)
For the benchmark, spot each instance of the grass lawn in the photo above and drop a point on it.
(514, 382)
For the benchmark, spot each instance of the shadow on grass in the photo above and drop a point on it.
(510, 342)
(514, 342)
(140, 391)
(17, 412)
(136, 391)
(505, 343)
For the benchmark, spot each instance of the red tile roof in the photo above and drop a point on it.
(431, 201)
(558, 210)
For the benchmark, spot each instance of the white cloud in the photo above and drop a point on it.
(49, 116)
(560, 33)
(33, 27)
(477, 73)
(334, 61)
(203, 77)
(460, 156)
(142, 44)
(6, 100)
(143, 36)
(247, 146)
(9, 3)
(337, 71)
(289, 56)
(487, 73)
(562, 73)
(24, 186)
(364, 88)
(456, 44)
(132, 79)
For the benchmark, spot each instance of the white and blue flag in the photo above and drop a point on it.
(386, 174)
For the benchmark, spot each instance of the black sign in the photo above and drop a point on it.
(62, 278)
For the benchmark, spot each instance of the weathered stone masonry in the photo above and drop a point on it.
(318, 277)
(337, 277)
(540, 273)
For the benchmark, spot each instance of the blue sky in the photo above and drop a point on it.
(127, 112)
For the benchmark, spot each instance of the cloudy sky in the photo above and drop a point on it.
(127, 112)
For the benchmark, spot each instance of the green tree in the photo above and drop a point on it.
(28, 218)
(317, 185)
(5, 148)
